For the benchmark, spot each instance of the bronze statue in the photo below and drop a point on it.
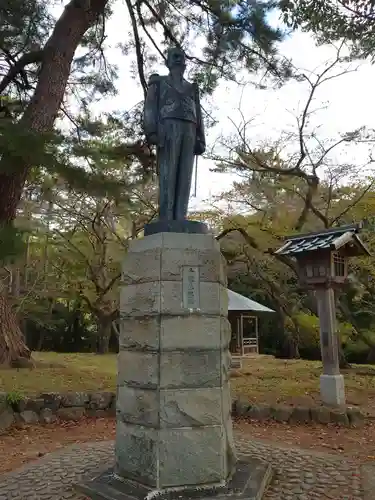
(173, 122)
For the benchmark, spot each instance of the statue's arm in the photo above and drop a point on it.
(151, 111)
(201, 139)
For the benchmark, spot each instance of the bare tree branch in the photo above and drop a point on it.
(138, 48)
(26, 59)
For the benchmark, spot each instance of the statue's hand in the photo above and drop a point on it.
(200, 147)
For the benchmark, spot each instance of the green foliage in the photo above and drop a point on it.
(63, 326)
(14, 397)
(356, 351)
(308, 330)
(232, 36)
(331, 21)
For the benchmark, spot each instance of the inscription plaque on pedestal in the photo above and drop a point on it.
(190, 287)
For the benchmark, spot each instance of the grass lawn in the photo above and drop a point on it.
(266, 379)
(62, 373)
(261, 379)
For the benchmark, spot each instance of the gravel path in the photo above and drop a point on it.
(298, 474)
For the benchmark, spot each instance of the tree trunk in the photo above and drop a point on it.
(104, 334)
(40, 114)
(291, 348)
(39, 346)
(13, 351)
(371, 356)
(39, 118)
(343, 363)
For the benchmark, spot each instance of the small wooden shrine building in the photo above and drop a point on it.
(243, 315)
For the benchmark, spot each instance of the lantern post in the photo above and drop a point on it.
(322, 261)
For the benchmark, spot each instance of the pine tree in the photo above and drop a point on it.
(352, 21)
(37, 56)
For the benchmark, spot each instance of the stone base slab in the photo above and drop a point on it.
(249, 482)
(332, 390)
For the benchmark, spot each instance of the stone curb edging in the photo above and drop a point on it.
(348, 417)
(49, 407)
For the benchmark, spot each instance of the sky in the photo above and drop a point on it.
(341, 104)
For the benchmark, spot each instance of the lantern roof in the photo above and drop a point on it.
(331, 239)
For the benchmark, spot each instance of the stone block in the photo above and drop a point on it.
(138, 369)
(6, 419)
(187, 369)
(225, 332)
(146, 243)
(193, 332)
(281, 413)
(165, 297)
(91, 413)
(356, 417)
(211, 264)
(73, 399)
(47, 416)
(191, 456)
(140, 333)
(175, 241)
(241, 407)
(100, 400)
(29, 417)
(171, 300)
(51, 400)
(226, 360)
(332, 390)
(112, 408)
(190, 407)
(138, 406)
(71, 414)
(175, 226)
(141, 267)
(300, 415)
(214, 299)
(230, 456)
(140, 300)
(136, 453)
(3, 400)
(259, 412)
(321, 414)
(33, 404)
(226, 401)
(339, 416)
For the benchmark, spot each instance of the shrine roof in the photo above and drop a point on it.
(238, 302)
(329, 239)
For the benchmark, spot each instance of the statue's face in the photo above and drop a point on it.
(176, 59)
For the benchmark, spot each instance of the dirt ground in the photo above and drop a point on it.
(24, 444)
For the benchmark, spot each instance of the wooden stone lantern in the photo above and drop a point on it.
(322, 260)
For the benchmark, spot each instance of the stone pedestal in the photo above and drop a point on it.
(332, 388)
(174, 429)
(173, 402)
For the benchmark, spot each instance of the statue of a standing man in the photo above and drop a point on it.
(173, 122)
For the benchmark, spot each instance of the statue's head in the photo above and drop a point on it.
(176, 58)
